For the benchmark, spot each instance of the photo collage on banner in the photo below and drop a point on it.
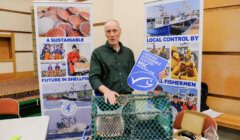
(64, 46)
(174, 32)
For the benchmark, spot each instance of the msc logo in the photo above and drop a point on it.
(142, 81)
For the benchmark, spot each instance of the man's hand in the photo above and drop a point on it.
(162, 74)
(111, 97)
(108, 94)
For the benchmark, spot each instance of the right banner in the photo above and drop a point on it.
(173, 30)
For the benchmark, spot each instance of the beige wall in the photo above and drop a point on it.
(17, 22)
(102, 11)
(6, 67)
(23, 42)
(18, 5)
(24, 62)
(131, 16)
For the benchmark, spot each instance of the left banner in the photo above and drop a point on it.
(64, 46)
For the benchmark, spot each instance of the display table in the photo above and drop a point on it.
(230, 121)
(31, 128)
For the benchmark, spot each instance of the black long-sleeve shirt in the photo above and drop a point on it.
(111, 68)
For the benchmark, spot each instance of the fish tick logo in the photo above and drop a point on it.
(142, 81)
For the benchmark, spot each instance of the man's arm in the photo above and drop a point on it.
(95, 79)
(69, 57)
(132, 60)
(95, 73)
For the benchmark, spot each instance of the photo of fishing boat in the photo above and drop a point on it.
(78, 92)
(73, 95)
(168, 19)
(74, 126)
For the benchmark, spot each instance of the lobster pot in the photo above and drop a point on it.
(135, 117)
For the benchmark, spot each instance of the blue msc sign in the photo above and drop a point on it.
(144, 74)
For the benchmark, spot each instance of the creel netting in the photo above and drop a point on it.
(135, 117)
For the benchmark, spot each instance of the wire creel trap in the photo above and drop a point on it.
(135, 117)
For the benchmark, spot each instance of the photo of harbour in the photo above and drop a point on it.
(179, 18)
(79, 92)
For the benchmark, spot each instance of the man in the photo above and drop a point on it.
(57, 71)
(73, 57)
(46, 52)
(179, 71)
(111, 64)
(185, 71)
(154, 50)
(163, 52)
(49, 72)
(190, 104)
(176, 103)
(158, 90)
(58, 52)
(175, 57)
(188, 55)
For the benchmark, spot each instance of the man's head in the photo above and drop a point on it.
(190, 101)
(74, 48)
(175, 99)
(158, 90)
(112, 32)
(189, 69)
(182, 67)
(188, 54)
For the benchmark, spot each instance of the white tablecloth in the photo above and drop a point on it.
(31, 128)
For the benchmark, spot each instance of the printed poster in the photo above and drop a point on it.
(145, 72)
(174, 31)
(64, 46)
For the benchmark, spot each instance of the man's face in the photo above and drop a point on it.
(112, 32)
(190, 102)
(175, 100)
(189, 71)
(74, 49)
(157, 92)
(182, 67)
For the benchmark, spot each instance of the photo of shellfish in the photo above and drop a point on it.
(63, 21)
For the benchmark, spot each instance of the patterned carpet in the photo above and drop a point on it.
(19, 88)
